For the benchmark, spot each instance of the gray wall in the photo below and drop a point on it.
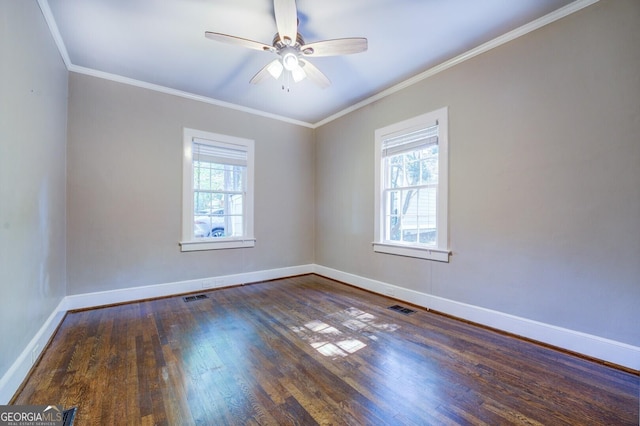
(33, 120)
(125, 188)
(544, 180)
(544, 211)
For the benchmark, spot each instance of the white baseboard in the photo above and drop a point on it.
(586, 344)
(100, 298)
(13, 378)
(15, 375)
(593, 346)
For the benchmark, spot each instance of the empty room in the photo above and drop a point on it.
(292, 212)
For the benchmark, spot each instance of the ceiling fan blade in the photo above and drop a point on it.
(266, 71)
(340, 46)
(315, 75)
(286, 20)
(238, 41)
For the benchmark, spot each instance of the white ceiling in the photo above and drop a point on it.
(161, 42)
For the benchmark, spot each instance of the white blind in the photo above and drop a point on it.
(221, 153)
(410, 141)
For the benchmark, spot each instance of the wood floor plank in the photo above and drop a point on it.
(308, 350)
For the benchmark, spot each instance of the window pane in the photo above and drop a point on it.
(235, 226)
(233, 214)
(220, 215)
(392, 218)
(234, 204)
(410, 215)
(209, 223)
(412, 168)
(427, 215)
(428, 237)
(395, 175)
(429, 165)
(208, 176)
(427, 207)
(392, 227)
(409, 204)
(218, 177)
(233, 178)
(202, 201)
(409, 235)
(393, 201)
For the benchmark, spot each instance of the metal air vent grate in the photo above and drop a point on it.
(402, 309)
(194, 298)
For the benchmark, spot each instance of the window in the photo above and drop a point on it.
(411, 187)
(217, 191)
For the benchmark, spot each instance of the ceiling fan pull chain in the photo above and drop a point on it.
(285, 81)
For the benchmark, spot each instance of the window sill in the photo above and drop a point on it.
(221, 244)
(436, 254)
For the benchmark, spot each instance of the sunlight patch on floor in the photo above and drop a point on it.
(343, 332)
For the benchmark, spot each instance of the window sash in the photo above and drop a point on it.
(229, 160)
(399, 226)
(420, 218)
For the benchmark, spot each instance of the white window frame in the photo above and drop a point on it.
(189, 242)
(439, 252)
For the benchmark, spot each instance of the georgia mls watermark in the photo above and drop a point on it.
(31, 415)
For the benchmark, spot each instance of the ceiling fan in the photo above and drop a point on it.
(291, 49)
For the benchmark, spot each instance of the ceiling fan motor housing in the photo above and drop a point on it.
(278, 43)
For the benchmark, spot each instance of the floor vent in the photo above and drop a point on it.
(194, 298)
(402, 309)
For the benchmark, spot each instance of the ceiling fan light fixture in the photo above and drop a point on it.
(290, 61)
(275, 69)
(298, 74)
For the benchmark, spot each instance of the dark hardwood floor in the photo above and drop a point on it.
(308, 350)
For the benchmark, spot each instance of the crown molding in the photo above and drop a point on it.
(492, 44)
(485, 47)
(55, 33)
(187, 95)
